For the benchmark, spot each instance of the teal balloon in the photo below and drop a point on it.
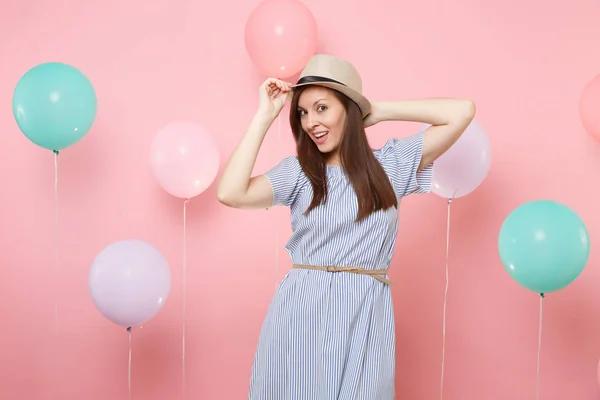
(55, 105)
(544, 245)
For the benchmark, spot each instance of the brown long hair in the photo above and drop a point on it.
(373, 189)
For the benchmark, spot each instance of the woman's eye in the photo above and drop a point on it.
(321, 108)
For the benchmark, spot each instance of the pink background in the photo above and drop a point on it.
(524, 63)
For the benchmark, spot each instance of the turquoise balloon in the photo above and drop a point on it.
(54, 105)
(544, 245)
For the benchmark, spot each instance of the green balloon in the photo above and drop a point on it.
(544, 245)
(54, 105)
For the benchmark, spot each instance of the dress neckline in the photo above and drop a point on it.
(335, 170)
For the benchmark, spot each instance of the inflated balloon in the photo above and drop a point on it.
(129, 282)
(544, 245)
(589, 107)
(280, 37)
(184, 158)
(464, 166)
(54, 105)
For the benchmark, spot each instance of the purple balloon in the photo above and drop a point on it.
(129, 282)
(464, 166)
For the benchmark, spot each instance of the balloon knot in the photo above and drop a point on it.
(129, 330)
(185, 201)
(542, 295)
(55, 152)
(450, 201)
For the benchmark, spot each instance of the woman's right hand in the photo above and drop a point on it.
(272, 96)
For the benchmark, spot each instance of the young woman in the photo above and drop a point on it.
(329, 331)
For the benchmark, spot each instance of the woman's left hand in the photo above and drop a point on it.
(371, 119)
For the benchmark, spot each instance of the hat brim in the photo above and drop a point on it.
(363, 103)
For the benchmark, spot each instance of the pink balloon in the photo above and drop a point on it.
(280, 37)
(464, 166)
(589, 107)
(184, 158)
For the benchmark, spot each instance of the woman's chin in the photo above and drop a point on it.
(325, 148)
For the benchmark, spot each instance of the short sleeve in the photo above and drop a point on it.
(285, 179)
(401, 159)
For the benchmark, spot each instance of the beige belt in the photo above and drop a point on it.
(375, 273)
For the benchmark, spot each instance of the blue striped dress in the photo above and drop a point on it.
(330, 335)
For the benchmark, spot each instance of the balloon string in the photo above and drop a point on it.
(277, 226)
(56, 259)
(279, 136)
(537, 385)
(184, 296)
(129, 364)
(56, 263)
(445, 301)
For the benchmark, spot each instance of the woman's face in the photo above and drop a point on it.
(323, 117)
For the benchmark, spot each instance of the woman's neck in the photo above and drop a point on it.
(333, 159)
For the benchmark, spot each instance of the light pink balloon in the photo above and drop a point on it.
(184, 158)
(280, 37)
(589, 107)
(464, 166)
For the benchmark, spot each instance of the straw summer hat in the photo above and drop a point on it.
(335, 73)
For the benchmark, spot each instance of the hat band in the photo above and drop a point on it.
(316, 79)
